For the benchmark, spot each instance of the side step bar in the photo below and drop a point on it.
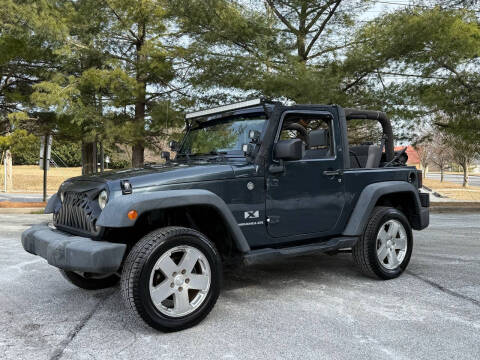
(268, 254)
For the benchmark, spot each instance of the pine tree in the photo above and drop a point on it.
(277, 48)
(28, 36)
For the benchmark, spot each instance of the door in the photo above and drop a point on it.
(307, 196)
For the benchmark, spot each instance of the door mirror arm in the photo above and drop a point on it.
(277, 168)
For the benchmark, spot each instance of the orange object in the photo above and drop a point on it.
(132, 214)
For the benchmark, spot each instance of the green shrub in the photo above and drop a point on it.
(67, 154)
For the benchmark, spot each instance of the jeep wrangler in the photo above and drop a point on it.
(250, 182)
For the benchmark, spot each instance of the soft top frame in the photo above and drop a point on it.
(382, 118)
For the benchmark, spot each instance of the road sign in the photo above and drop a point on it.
(42, 151)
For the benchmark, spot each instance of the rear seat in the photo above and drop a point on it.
(368, 156)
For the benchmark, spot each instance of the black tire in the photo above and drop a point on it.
(140, 263)
(365, 251)
(90, 283)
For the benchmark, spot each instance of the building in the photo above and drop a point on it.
(413, 157)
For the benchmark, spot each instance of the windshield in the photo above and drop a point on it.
(221, 137)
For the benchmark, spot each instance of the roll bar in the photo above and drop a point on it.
(382, 118)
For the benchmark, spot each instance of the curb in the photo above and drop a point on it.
(444, 206)
(36, 210)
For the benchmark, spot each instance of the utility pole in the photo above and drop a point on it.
(102, 157)
(6, 175)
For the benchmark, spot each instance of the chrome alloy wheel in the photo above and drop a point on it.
(391, 244)
(179, 281)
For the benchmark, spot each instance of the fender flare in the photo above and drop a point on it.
(53, 204)
(369, 197)
(115, 213)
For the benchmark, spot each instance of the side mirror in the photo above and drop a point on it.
(254, 136)
(292, 149)
(173, 145)
(165, 155)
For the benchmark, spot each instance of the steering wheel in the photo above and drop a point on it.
(302, 132)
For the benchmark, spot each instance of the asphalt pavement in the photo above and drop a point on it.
(312, 307)
(458, 179)
(21, 197)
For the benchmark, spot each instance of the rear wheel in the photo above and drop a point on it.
(385, 248)
(90, 281)
(172, 277)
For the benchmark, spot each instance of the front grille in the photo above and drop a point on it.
(76, 213)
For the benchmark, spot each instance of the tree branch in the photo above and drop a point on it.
(320, 12)
(333, 48)
(281, 17)
(457, 74)
(322, 27)
(121, 21)
(355, 82)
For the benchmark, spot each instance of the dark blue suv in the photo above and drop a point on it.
(250, 182)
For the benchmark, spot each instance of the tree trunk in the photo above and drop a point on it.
(441, 174)
(140, 104)
(425, 170)
(89, 158)
(138, 148)
(137, 155)
(465, 175)
(8, 162)
(301, 48)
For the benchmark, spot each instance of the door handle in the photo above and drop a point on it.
(333, 172)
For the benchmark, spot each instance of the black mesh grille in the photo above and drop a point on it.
(76, 212)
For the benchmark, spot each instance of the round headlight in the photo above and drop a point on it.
(102, 199)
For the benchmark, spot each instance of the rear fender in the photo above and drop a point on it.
(369, 198)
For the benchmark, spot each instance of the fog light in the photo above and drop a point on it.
(132, 214)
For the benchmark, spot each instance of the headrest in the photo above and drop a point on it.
(318, 138)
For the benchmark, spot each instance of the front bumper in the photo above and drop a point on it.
(73, 253)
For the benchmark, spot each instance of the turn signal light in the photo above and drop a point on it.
(132, 214)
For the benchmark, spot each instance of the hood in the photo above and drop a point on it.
(173, 173)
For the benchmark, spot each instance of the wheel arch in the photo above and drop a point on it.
(198, 209)
(398, 194)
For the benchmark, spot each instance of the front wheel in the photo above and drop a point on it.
(385, 248)
(172, 277)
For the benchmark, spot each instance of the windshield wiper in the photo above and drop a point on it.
(213, 155)
(215, 152)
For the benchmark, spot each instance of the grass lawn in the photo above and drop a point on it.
(453, 191)
(29, 178)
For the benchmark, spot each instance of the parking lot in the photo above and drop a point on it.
(315, 307)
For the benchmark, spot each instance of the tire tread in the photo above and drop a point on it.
(363, 254)
(133, 266)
